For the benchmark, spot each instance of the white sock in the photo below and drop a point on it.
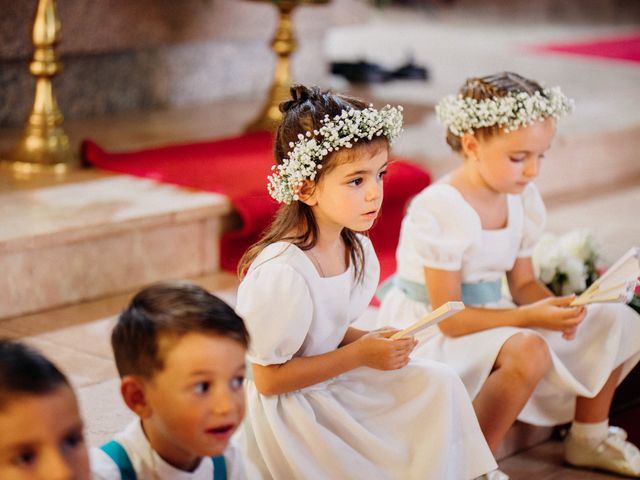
(592, 433)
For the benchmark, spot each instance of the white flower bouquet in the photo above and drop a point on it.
(566, 264)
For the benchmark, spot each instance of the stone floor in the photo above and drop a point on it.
(76, 337)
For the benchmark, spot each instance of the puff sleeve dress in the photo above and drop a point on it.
(441, 230)
(412, 423)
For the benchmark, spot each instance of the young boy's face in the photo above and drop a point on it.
(197, 400)
(41, 438)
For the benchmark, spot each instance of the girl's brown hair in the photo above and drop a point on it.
(498, 85)
(295, 222)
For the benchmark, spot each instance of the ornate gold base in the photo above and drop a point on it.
(44, 149)
(22, 162)
(22, 170)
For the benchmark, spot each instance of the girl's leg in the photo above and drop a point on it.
(591, 443)
(522, 361)
(596, 409)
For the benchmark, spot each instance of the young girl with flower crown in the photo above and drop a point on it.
(531, 357)
(329, 401)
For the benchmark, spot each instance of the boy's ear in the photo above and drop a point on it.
(132, 389)
(469, 144)
(307, 193)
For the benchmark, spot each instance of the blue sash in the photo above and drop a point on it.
(472, 293)
(119, 456)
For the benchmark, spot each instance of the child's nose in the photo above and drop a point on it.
(374, 191)
(531, 168)
(56, 467)
(222, 401)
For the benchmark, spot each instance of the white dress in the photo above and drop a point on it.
(441, 230)
(149, 465)
(412, 423)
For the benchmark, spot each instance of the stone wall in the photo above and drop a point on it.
(122, 55)
(549, 11)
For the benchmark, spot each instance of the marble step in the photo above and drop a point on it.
(522, 436)
(67, 243)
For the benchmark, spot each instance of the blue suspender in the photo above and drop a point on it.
(219, 468)
(119, 456)
(121, 459)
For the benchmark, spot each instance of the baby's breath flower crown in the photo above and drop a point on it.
(342, 131)
(464, 115)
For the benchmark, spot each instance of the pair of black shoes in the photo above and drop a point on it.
(365, 72)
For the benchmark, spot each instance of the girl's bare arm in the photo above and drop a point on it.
(547, 312)
(372, 349)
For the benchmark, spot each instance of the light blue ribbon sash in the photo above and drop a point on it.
(472, 293)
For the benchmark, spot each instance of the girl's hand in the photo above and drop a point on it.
(386, 331)
(554, 313)
(377, 351)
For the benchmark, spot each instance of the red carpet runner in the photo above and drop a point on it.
(238, 168)
(625, 48)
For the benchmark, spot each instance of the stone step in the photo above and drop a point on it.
(71, 242)
(522, 436)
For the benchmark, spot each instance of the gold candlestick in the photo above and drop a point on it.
(283, 44)
(43, 147)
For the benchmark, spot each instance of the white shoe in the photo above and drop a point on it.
(494, 475)
(613, 454)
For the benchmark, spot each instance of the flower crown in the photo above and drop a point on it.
(306, 154)
(464, 115)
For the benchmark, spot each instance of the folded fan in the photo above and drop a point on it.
(436, 316)
(617, 284)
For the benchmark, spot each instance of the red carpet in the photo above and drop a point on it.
(238, 168)
(625, 48)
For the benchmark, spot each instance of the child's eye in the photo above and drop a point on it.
(382, 174)
(202, 387)
(73, 440)
(25, 458)
(236, 382)
(356, 181)
(516, 159)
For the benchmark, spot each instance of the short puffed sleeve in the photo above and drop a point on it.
(535, 218)
(275, 303)
(438, 229)
(362, 291)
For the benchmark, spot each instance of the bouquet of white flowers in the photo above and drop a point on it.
(567, 263)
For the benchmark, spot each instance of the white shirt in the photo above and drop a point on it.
(148, 465)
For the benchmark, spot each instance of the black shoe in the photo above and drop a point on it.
(411, 71)
(360, 72)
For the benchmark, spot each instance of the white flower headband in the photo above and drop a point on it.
(464, 115)
(306, 154)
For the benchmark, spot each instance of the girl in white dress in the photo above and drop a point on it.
(531, 357)
(329, 401)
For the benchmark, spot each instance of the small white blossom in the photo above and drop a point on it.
(305, 156)
(515, 110)
(580, 244)
(576, 273)
(566, 263)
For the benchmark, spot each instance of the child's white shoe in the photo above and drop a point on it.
(613, 454)
(494, 475)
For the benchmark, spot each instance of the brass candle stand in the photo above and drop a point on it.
(44, 147)
(283, 44)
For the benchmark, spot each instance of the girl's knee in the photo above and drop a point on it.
(527, 354)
